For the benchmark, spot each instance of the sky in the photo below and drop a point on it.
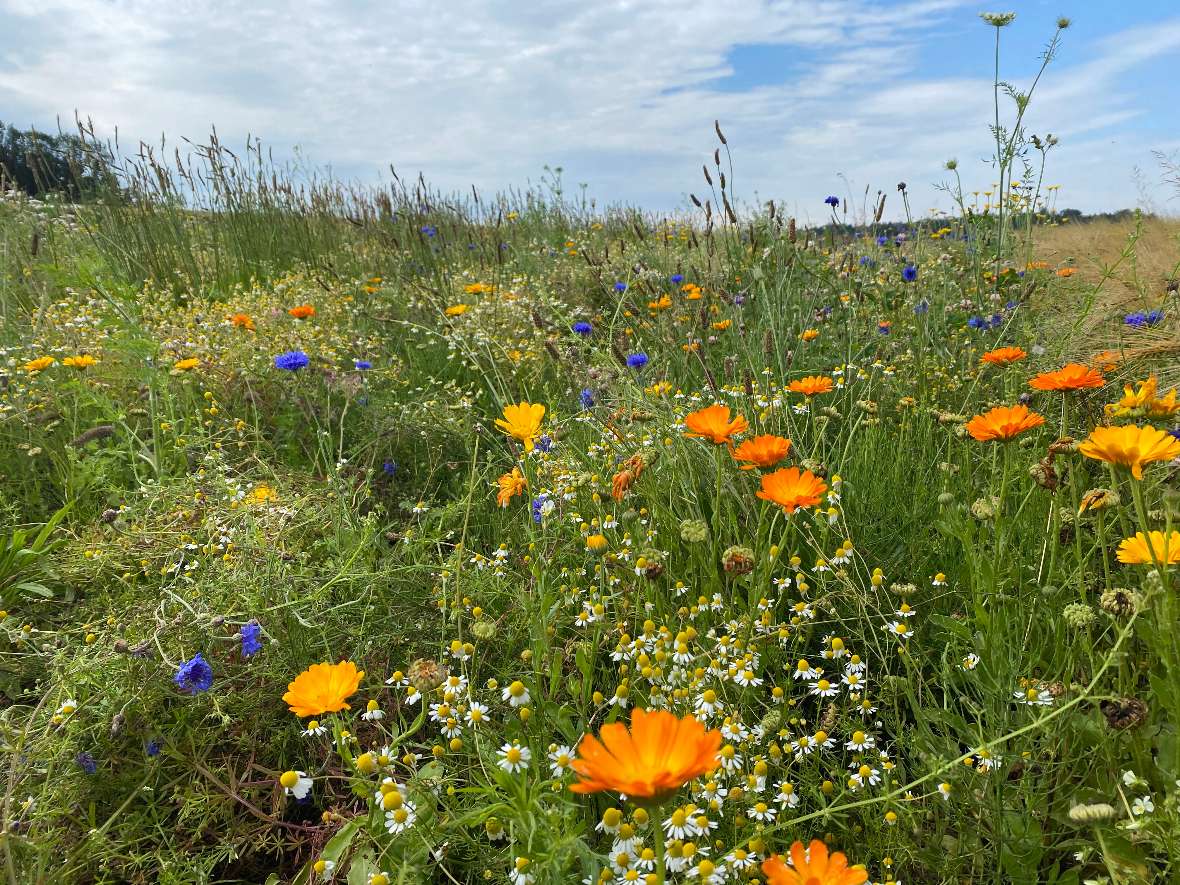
(816, 97)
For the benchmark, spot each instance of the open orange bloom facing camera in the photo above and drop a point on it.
(323, 688)
(815, 866)
(1130, 446)
(792, 488)
(660, 754)
(1003, 423)
(713, 423)
(762, 451)
(811, 385)
(1156, 548)
(1073, 376)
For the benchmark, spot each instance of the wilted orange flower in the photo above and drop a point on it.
(762, 451)
(323, 688)
(1165, 551)
(1130, 446)
(813, 867)
(791, 488)
(1073, 376)
(81, 361)
(1004, 356)
(40, 363)
(660, 754)
(522, 422)
(1107, 361)
(713, 423)
(302, 311)
(511, 485)
(631, 470)
(243, 321)
(1003, 423)
(811, 385)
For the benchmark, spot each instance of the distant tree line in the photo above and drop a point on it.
(40, 164)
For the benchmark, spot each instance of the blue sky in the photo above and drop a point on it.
(815, 96)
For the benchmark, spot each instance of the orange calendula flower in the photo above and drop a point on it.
(456, 310)
(81, 361)
(812, 867)
(1130, 446)
(1066, 271)
(713, 423)
(660, 754)
(1164, 551)
(302, 311)
(762, 451)
(39, 364)
(511, 485)
(791, 488)
(323, 688)
(185, 364)
(243, 321)
(1004, 356)
(810, 334)
(811, 385)
(522, 422)
(1073, 376)
(1003, 423)
(1107, 361)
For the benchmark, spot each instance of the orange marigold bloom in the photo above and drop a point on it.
(762, 451)
(1166, 551)
(1073, 376)
(1004, 356)
(660, 754)
(81, 361)
(811, 385)
(323, 688)
(243, 321)
(1130, 446)
(813, 867)
(40, 363)
(522, 422)
(810, 334)
(1066, 271)
(713, 423)
(511, 485)
(1003, 423)
(791, 488)
(302, 311)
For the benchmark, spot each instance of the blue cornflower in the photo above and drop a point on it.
(86, 762)
(997, 320)
(152, 748)
(363, 365)
(620, 287)
(1012, 305)
(977, 323)
(922, 307)
(251, 639)
(1175, 431)
(882, 240)
(429, 229)
(866, 261)
(909, 273)
(587, 397)
(832, 201)
(539, 508)
(544, 443)
(583, 328)
(1154, 316)
(389, 468)
(194, 676)
(291, 361)
(676, 279)
(636, 360)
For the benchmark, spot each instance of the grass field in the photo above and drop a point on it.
(860, 509)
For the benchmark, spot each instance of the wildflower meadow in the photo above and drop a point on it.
(392, 536)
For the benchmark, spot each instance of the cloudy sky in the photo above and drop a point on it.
(816, 97)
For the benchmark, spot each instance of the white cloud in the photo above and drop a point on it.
(623, 94)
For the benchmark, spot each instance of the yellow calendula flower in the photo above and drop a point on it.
(1150, 550)
(522, 422)
(1130, 446)
(456, 310)
(81, 361)
(186, 364)
(39, 364)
